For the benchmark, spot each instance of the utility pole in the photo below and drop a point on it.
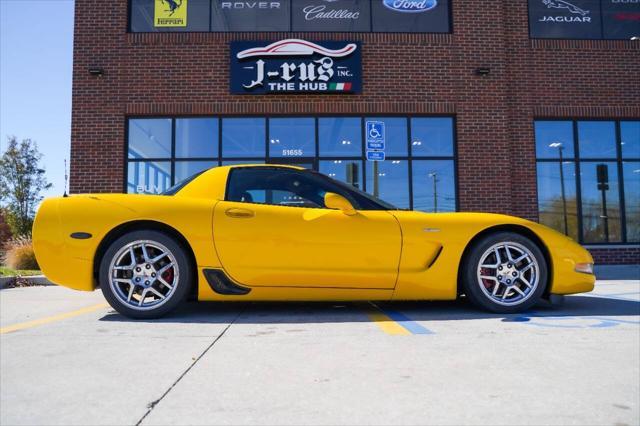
(434, 176)
(376, 178)
(562, 190)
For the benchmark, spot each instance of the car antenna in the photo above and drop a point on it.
(66, 177)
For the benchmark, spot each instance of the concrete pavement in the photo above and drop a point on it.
(78, 362)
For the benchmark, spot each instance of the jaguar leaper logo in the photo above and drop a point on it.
(410, 6)
(561, 4)
(170, 13)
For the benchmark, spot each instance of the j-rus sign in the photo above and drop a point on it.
(295, 66)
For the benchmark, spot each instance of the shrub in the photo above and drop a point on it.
(18, 254)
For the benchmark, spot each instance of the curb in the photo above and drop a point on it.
(27, 281)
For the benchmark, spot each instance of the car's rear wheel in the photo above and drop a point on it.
(504, 272)
(145, 274)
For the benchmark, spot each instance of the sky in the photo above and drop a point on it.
(36, 52)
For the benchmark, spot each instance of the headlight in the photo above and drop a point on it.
(585, 268)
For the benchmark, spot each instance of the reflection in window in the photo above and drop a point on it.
(432, 137)
(557, 201)
(630, 139)
(150, 138)
(395, 129)
(243, 137)
(338, 137)
(186, 169)
(434, 186)
(148, 177)
(597, 139)
(631, 173)
(600, 202)
(196, 137)
(554, 139)
(387, 180)
(600, 187)
(348, 171)
(292, 137)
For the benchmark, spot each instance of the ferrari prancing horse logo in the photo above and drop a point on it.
(170, 13)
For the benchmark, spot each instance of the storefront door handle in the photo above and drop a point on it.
(239, 213)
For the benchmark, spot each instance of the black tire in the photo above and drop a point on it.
(476, 289)
(174, 297)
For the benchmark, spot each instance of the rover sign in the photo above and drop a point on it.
(295, 66)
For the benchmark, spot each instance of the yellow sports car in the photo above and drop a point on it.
(266, 232)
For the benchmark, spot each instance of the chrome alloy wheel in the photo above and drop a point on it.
(508, 273)
(143, 274)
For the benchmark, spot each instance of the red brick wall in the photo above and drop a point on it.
(181, 74)
(626, 256)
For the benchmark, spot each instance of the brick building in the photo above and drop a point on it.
(528, 108)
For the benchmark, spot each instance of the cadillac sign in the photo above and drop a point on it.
(295, 66)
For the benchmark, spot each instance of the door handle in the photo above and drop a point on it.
(239, 213)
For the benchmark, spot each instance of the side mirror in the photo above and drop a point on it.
(338, 202)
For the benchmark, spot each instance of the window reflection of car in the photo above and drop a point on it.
(265, 232)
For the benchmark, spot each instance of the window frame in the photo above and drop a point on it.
(577, 162)
(602, 36)
(361, 160)
(290, 30)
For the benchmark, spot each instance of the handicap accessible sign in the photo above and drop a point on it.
(375, 135)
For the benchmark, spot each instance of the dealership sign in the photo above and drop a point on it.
(295, 66)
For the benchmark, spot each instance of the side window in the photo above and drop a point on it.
(283, 187)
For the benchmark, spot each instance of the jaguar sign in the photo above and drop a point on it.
(295, 66)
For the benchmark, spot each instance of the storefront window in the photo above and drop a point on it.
(292, 137)
(631, 173)
(243, 137)
(148, 177)
(432, 137)
(597, 139)
(603, 205)
(388, 180)
(557, 200)
(554, 139)
(164, 151)
(197, 138)
(630, 139)
(185, 169)
(150, 138)
(434, 187)
(395, 135)
(348, 171)
(340, 137)
(600, 202)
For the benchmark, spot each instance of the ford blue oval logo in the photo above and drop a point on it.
(410, 6)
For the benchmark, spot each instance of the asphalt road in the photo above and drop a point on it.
(67, 358)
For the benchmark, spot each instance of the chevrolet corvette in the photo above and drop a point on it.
(282, 233)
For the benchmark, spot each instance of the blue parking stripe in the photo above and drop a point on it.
(406, 322)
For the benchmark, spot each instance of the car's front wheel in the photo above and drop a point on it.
(504, 272)
(145, 274)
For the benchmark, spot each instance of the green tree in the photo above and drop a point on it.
(21, 182)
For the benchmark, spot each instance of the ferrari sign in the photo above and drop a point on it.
(170, 13)
(295, 66)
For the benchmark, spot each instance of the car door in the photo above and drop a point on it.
(272, 229)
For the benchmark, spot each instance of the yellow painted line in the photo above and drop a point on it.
(54, 318)
(385, 323)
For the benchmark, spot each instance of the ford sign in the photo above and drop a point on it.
(410, 6)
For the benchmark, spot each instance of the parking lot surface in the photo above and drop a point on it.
(68, 358)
